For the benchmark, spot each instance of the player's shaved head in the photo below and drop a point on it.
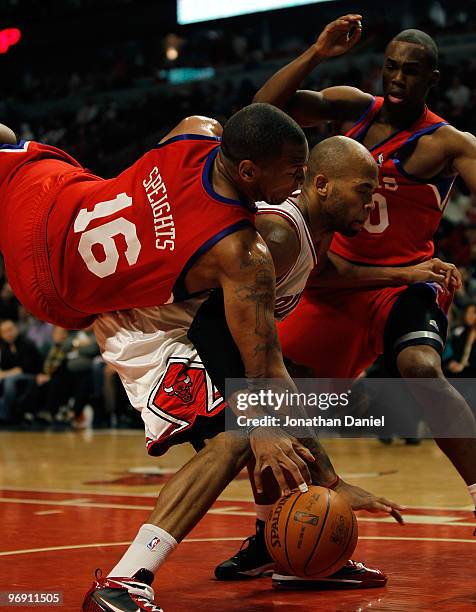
(341, 178)
(339, 157)
(422, 39)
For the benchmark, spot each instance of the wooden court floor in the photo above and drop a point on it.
(71, 502)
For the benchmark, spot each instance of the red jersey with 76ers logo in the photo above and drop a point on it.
(119, 243)
(407, 210)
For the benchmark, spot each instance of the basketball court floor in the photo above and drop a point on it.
(71, 502)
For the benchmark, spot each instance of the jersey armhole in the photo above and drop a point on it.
(187, 137)
(179, 291)
(363, 116)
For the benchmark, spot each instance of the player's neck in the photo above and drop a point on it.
(316, 219)
(398, 118)
(224, 181)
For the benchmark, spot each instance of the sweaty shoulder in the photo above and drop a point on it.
(196, 124)
(452, 140)
(281, 239)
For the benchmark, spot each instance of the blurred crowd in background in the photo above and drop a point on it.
(106, 100)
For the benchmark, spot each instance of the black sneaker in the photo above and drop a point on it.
(353, 575)
(121, 594)
(251, 561)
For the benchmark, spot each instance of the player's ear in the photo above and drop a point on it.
(248, 171)
(321, 183)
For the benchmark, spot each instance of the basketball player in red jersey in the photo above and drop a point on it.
(177, 222)
(420, 156)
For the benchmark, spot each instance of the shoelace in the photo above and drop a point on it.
(245, 542)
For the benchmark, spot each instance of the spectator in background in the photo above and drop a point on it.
(80, 362)
(39, 332)
(459, 95)
(20, 361)
(463, 346)
(53, 384)
(67, 378)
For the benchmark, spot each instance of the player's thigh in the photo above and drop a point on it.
(326, 333)
(418, 323)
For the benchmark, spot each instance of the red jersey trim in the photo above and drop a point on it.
(21, 147)
(362, 117)
(186, 137)
(207, 184)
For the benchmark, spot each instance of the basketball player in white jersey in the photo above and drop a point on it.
(166, 379)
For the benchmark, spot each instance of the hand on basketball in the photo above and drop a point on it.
(435, 270)
(274, 448)
(360, 499)
(339, 36)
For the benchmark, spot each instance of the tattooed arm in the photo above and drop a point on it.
(245, 271)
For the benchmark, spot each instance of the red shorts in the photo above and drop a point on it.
(23, 240)
(340, 332)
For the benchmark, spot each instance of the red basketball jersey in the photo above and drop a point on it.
(407, 210)
(14, 157)
(129, 241)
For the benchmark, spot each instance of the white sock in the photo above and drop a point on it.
(263, 511)
(472, 492)
(151, 547)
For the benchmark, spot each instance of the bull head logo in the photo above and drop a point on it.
(180, 386)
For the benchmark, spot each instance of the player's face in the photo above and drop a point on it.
(351, 202)
(406, 75)
(281, 177)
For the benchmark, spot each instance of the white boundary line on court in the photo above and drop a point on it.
(224, 498)
(446, 521)
(233, 539)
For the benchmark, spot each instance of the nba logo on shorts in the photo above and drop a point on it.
(152, 545)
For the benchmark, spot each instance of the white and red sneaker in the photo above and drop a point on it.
(121, 594)
(353, 575)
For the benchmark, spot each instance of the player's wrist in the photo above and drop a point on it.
(334, 483)
(317, 54)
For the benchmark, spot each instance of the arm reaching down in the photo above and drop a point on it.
(246, 275)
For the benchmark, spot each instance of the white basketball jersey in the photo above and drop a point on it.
(290, 286)
(141, 344)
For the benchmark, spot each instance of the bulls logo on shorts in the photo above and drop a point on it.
(178, 382)
(183, 392)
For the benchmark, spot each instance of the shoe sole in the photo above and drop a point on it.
(259, 572)
(321, 585)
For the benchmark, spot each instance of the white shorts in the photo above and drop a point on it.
(160, 369)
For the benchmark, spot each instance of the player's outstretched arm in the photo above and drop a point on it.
(195, 124)
(310, 107)
(342, 274)
(7, 136)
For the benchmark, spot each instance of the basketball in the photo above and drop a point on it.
(311, 534)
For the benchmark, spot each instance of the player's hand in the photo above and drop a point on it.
(339, 36)
(274, 448)
(359, 499)
(435, 270)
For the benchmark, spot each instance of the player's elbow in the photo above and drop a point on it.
(7, 136)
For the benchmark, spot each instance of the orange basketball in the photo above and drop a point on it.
(311, 534)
